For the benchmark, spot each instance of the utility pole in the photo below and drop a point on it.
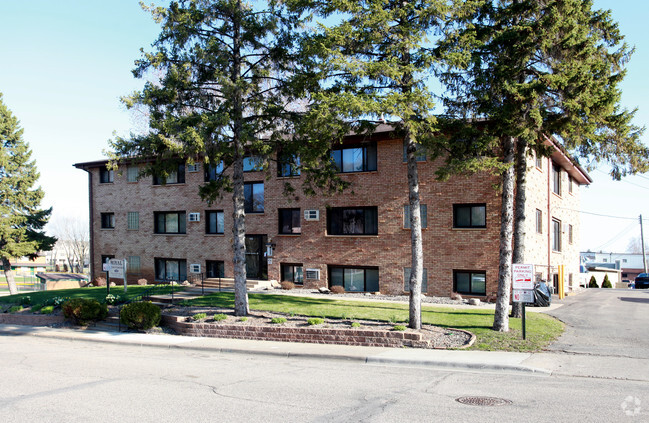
(644, 257)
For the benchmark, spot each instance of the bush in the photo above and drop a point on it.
(100, 281)
(26, 300)
(219, 317)
(140, 315)
(113, 299)
(278, 320)
(56, 301)
(47, 310)
(15, 309)
(142, 281)
(243, 319)
(337, 289)
(315, 321)
(199, 316)
(287, 285)
(356, 325)
(399, 327)
(36, 308)
(606, 283)
(84, 310)
(593, 283)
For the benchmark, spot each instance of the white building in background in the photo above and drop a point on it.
(629, 264)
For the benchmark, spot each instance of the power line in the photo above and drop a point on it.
(626, 181)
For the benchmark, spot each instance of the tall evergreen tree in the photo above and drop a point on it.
(225, 91)
(374, 65)
(528, 69)
(21, 219)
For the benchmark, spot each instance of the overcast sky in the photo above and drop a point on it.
(65, 64)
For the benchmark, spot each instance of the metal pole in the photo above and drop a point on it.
(523, 320)
(202, 284)
(107, 282)
(644, 256)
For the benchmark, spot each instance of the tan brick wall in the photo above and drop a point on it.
(445, 248)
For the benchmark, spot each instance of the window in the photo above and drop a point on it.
(176, 176)
(107, 220)
(132, 172)
(293, 273)
(470, 282)
(170, 269)
(421, 156)
(106, 176)
(215, 269)
(539, 161)
(214, 223)
(133, 220)
(539, 221)
(355, 279)
(352, 221)
(556, 235)
(469, 215)
(253, 193)
(169, 222)
(289, 221)
(253, 164)
(133, 264)
(423, 211)
(406, 280)
(570, 182)
(556, 179)
(623, 260)
(360, 158)
(213, 172)
(105, 258)
(569, 234)
(288, 165)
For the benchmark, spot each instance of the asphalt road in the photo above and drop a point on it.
(55, 380)
(605, 322)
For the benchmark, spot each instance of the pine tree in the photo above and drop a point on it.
(593, 282)
(526, 70)
(606, 283)
(21, 219)
(374, 67)
(225, 90)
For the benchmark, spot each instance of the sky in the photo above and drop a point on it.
(64, 66)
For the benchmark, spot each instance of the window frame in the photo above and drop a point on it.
(471, 206)
(295, 212)
(209, 263)
(570, 234)
(335, 211)
(330, 269)
(295, 279)
(106, 176)
(212, 172)
(181, 222)
(131, 267)
(208, 222)
(133, 221)
(555, 240)
(406, 280)
(253, 163)
(421, 157)
(539, 221)
(182, 269)
(423, 214)
(556, 179)
(369, 163)
(288, 166)
(179, 179)
(107, 220)
(249, 203)
(471, 274)
(130, 170)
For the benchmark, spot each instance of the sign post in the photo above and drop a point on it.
(523, 286)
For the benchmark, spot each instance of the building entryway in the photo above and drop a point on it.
(256, 264)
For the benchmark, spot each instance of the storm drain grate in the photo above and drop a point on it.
(483, 401)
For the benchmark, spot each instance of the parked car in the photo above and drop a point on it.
(642, 281)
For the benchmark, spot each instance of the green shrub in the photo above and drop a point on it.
(26, 300)
(36, 308)
(83, 311)
(356, 325)
(243, 319)
(315, 321)
(199, 316)
(56, 301)
(606, 283)
(220, 316)
(113, 299)
(593, 282)
(140, 315)
(278, 320)
(15, 309)
(47, 310)
(399, 327)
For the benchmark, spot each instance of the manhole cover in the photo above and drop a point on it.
(484, 401)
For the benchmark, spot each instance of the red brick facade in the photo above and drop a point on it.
(446, 248)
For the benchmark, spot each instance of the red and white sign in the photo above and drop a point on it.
(522, 276)
(522, 296)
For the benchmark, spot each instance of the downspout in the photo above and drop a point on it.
(91, 213)
(549, 167)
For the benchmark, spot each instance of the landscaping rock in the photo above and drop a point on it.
(474, 301)
(324, 290)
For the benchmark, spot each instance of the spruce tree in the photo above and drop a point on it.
(21, 219)
(526, 70)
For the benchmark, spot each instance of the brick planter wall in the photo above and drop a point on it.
(30, 319)
(363, 337)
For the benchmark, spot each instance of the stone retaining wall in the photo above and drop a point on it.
(30, 319)
(362, 337)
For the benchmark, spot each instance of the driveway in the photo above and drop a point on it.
(605, 322)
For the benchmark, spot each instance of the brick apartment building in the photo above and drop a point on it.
(359, 239)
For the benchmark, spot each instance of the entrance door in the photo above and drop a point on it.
(256, 264)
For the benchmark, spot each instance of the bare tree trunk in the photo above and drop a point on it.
(501, 316)
(241, 307)
(518, 255)
(416, 245)
(9, 274)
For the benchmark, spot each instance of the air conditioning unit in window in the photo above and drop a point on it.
(311, 214)
(194, 217)
(195, 268)
(196, 167)
(313, 274)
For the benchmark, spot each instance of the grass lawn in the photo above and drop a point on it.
(541, 329)
(98, 293)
